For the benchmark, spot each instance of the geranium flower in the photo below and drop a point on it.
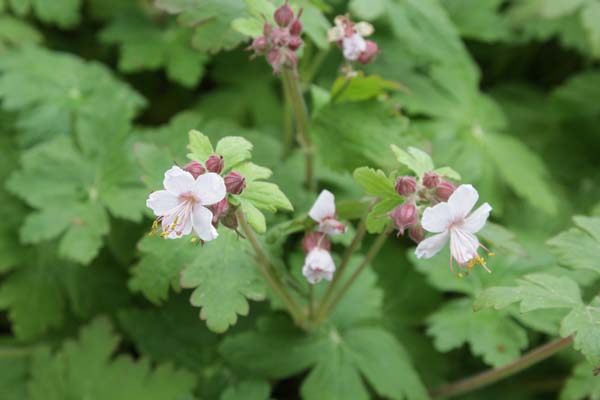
(323, 212)
(318, 265)
(180, 207)
(451, 221)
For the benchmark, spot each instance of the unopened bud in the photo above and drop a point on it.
(444, 190)
(316, 239)
(369, 54)
(404, 215)
(267, 29)
(235, 183)
(230, 221)
(406, 185)
(259, 45)
(416, 233)
(280, 37)
(295, 42)
(284, 15)
(431, 180)
(194, 168)
(296, 27)
(219, 210)
(215, 164)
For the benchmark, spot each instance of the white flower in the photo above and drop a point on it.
(318, 265)
(450, 221)
(353, 46)
(181, 206)
(323, 212)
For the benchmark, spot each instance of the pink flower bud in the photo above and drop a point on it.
(259, 45)
(280, 37)
(369, 54)
(267, 29)
(215, 164)
(444, 190)
(316, 239)
(406, 185)
(194, 168)
(219, 210)
(431, 180)
(284, 15)
(416, 233)
(295, 42)
(235, 183)
(404, 216)
(296, 27)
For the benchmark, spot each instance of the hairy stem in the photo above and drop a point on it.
(267, 271)
(302, 124)
(494, 375)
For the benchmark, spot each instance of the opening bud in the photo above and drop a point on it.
(316, 239)
(235, 183)
(431, 180)
(444, 190)
(416, 233)
(284, 15)
(406, 185)
(259, 45)
(404, 215)
(369, 54)
(215, 164)
(194, 168)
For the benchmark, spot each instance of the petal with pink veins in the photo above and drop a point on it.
(161, 202)
(474, 222)
(202, 222)
(463, 245)
(210, 188)
(178, 181)
(437, 218)
(461, 202)
(324, 206)
(432, 245)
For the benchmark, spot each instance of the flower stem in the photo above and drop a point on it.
(373, 251)
(494, 375)
(302, 124)
(266, 269)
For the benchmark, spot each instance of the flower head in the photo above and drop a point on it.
(181, 206)
(323, 212)
(405, 216)
(406, 185)
(350, 37)
(318, 265)
(451, 221)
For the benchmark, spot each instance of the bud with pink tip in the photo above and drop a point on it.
(296, 27)
(284, 15)
(259, 45)
(416, 233)
(194, 168)
(406, 185)
(316, 239)
(219, 210)
(295, 42)
(444, 190)
(369, 54)
(215, 164)
(235, 183)
(431, 180)
(404, 215)
(280, 37)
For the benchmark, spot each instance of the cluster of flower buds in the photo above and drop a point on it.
(350, 37)
(279, 43)
(319, 264)
(432, 190)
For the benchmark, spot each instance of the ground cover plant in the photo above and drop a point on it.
(320, 200)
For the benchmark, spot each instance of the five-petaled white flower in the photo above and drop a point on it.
(450, 221)
(318, 265)
(181, 206)
(323, 212)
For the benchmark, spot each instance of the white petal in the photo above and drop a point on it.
(474, 222)
(463, 245)
(183, 227)
(436, 219)
(202, 222)
(336, 33)
(364, 29)
(161, 202)
(430, 246)
(462, 201)
(210, 188)
(352, 47)
(324, 206)
(178, 181)
(318, 265)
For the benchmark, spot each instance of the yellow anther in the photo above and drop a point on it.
(491, 254)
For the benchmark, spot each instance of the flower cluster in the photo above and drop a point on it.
(279, 43)
(350, 37)
(194, 198)
(319, 264)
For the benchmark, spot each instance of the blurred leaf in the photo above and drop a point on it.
(64, 13)
(581, 385)
(360, 87)
(579, 247)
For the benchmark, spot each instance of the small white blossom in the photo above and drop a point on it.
(180, 207)
(353, 46)
(318, 265)
(323, 212)
(451, 221)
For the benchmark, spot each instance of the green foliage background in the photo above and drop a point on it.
(96, 101)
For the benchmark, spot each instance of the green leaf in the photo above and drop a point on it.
(199, 147)
(234, 150)
(223, 276)
(579, 247)
(378, 219)
(266, 196)
(86, 368)
(255, 218)
(416, 160)
(248, 390)
(64, 13)
(584, 322)
(252, 172)
(15, 372)
(15, 32)
(375, 183)
(360, 87)
(581, 385)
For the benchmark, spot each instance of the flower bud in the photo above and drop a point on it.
(431, 180)
(194, 168)
(259, 45)
(235, 183)
(444, 190)
(404, 216)
(284, 15)
(230, 221)
(219, 210)
(416, 233)
(295, 42)
(406, 185)
(280, 37)
(369, 54)
(215, 164)
(296, 27)
(316, 239)
(267, 29)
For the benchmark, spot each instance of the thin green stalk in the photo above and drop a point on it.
(266, 269)
(373, 251)
(494, 375)
(316, 63)
(302, 125)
